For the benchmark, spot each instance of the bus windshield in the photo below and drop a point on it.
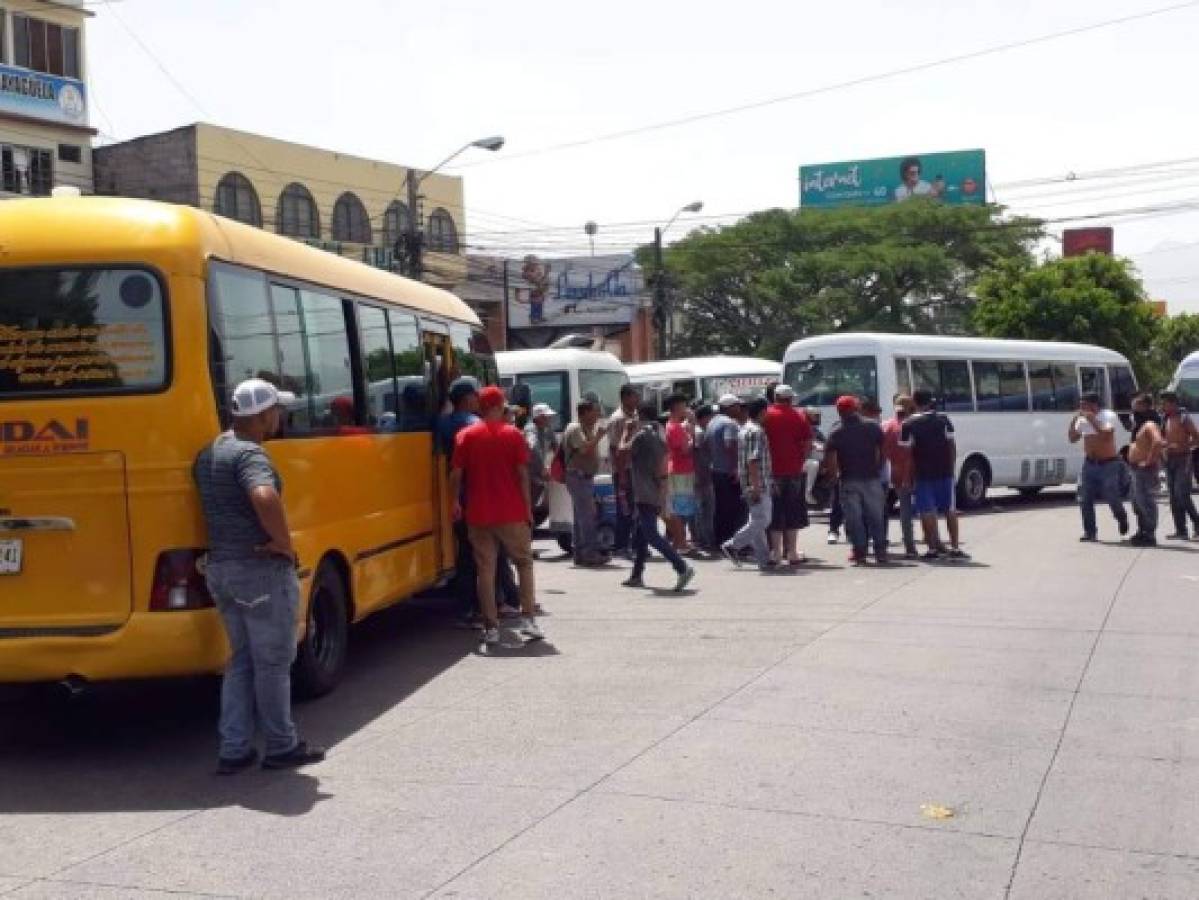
(1188, 391)
(79, 331)
(819, 382)
(741, 385)
(604, 385)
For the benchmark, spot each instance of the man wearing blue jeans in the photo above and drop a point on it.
(251, 574)
(645, 449)
(1100, 478)
(755, 475)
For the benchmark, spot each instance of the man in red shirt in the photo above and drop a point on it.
(789, 434)
(680, 446)
(901, 477)
(492, 457)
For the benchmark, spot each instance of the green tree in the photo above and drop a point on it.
(1092, 299)
(779, 275)
(1177, 337)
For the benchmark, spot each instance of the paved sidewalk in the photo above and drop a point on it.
(1023, 726)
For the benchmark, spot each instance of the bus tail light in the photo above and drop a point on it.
(179, 582)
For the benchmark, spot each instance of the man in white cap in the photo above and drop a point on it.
(722, 436)
(543, 443)
(251, 574)
(789, 435)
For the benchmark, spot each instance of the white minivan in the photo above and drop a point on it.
(1011, 401)
(561, 378)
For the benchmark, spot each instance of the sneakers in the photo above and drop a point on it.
(957, 553)
(882, 559)
(933, 555)
(1177, 536)
(633, 581)
(227, 766)
(509, 612)
(530, 630)
(833, 537)
(299, 755)
(731, 555)
(684, 579)
(1142, 540)
(911, 553)
(1092, 539)
(491, 636)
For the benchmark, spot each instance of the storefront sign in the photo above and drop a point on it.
(38, 96)
(958, 177)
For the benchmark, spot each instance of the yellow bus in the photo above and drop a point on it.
(124, 325)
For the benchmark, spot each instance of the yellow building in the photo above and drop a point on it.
(345, 204)
(45, 139)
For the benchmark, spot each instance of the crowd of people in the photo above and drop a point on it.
(704, 481)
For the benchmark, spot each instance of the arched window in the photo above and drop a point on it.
(237, 199)
(395, 223)
(350, 221)
(443, 236)
(297, 215)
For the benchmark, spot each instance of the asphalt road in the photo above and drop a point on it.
(1025, 726)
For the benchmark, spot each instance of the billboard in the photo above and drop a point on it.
(1080, 241)
(957, 177)
(580, 290)
(46, 97)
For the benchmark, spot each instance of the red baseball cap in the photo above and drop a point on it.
(847, 403)
(491, 398)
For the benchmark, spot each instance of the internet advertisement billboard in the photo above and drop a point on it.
(958, 178)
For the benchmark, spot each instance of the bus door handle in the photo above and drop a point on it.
(36, 523)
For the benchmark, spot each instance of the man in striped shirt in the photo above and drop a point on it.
(754, 473)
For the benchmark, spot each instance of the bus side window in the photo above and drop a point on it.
(903, 378)
(1065, 387)
(382, 395)
(1093, 379)
(414, 402)
(1124, 386)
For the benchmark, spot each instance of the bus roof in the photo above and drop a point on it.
(550, 360)
(924, 344)
(77, 230)
(704, 367)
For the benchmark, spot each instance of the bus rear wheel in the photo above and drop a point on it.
(973, 483)
(321, 656)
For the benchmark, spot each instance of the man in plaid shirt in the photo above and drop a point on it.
(753, 469)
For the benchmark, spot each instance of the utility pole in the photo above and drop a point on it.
(414, 234)
(661, 314)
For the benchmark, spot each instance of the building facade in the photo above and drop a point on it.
(45, 137)
(345, 204)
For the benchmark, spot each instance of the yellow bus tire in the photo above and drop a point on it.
(321, 656)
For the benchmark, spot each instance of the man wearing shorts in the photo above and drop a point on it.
(929, 435)
(790, 437)
(680, 446)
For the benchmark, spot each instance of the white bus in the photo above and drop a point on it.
(1010, 401)
(704, 378)
(561, 378)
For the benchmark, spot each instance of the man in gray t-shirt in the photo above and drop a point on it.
(251, 574)
(645, 448)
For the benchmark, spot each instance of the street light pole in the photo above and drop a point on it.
(663, 318)
(413, 238)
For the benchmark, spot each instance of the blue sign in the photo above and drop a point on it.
(958, 178)
(50, 98)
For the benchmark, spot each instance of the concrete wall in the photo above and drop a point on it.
(158, 167)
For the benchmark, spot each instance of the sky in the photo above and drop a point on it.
(410, 82)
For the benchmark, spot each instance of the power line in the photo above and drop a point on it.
(838, 86)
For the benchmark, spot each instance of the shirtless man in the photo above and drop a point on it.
(1144, 458)
(1100, 478)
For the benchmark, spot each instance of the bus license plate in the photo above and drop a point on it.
(10, 557)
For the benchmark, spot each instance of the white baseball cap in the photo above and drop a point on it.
(254, 395)
(784, 392)
(543, 409)
(728, 400)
